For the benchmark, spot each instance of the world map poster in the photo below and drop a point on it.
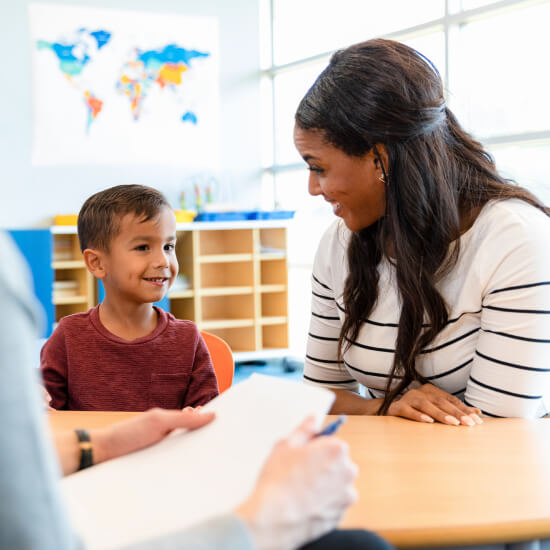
(124, 87)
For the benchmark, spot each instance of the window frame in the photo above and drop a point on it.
(451, 19)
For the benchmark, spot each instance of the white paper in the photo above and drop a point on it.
(190, 476)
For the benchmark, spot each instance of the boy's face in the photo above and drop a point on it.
(141, 263)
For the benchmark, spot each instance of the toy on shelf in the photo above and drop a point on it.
(238, 215)
(208, 194)
(198, 199)
(230, 216)
(184, 216)
(272, 215)
(65, 219)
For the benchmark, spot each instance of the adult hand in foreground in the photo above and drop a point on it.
(303, 490)
(429, 403)
(46, 398)
(129, 435)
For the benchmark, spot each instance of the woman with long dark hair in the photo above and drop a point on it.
(433, 289)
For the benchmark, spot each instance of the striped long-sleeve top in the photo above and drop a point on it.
(493, 353)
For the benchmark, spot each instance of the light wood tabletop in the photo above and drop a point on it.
(434, 485)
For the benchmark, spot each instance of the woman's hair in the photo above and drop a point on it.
(382, 92)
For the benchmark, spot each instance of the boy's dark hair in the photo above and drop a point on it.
(100, 216)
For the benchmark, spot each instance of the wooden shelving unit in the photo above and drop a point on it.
(237, 282)
(74, 288)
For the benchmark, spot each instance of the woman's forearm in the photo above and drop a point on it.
(347, 402)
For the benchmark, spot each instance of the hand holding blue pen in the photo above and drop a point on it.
(331, 428)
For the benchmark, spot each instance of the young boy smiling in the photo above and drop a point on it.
(126, 354)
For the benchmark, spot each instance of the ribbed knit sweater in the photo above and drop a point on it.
(86, 367)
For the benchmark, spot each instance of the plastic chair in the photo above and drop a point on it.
(222, 359)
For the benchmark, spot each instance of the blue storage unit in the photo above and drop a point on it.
(222, 216)
(271, 215)
(240, 215)
(37, 248)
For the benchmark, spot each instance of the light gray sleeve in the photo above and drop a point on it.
(31, 512)
(221, 533)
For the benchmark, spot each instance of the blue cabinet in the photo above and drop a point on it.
(37, 247)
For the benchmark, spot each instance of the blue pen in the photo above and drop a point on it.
(331, 428)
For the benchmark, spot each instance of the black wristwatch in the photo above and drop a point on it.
(86, 449)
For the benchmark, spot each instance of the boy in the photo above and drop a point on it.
(126, 354)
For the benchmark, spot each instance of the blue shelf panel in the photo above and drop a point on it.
(36, 245)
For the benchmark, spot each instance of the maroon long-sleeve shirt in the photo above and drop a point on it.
(85, 367)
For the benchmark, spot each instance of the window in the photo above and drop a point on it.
(288, 88)
(491, 56)
(492, 59)
(312, 27)
(497, 79)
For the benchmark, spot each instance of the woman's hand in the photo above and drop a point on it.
(429, 403)
(302, 492)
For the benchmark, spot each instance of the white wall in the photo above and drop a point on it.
(30, 196)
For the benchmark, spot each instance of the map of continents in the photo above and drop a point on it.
(163, 67)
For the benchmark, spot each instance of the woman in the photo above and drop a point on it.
(433, 290)
(311, 476)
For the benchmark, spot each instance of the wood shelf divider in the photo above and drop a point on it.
(225, 290)
(237, 274)
(226, 323)
(68, 264)
(177, 294)
(65, 300)
(224, 258)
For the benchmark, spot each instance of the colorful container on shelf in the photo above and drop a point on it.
(184, 216)
(222, 216)
(244, 215)
(65, 219)
(271, 215)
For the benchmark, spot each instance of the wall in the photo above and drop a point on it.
(32, 195)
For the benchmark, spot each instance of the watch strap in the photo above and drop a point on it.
(86, 449)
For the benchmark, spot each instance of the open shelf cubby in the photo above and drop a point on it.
(233, 280)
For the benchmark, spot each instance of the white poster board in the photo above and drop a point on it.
(124, 87)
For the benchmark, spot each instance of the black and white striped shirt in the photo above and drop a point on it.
(494, 352)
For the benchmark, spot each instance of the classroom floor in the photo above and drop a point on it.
(284, 368)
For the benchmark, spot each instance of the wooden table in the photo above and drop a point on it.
(435, 485)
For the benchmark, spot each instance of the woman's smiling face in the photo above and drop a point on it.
(352, 185)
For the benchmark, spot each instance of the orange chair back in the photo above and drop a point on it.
(222, 359)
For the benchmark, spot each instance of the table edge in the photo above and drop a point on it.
(505, 532)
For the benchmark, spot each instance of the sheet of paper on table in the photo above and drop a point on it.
(190, 476)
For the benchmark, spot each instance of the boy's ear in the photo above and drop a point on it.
(95, 262)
